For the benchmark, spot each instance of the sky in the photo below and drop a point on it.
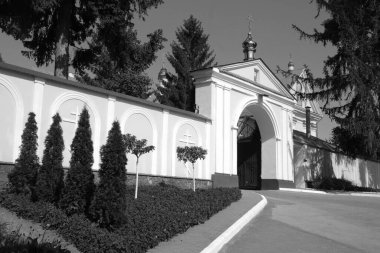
(226, 22)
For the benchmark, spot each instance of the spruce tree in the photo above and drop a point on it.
(350, 88)
(79, 183)
(109, 202)
(191, 52)
(22, 178)
(120, 59)
(50, 176)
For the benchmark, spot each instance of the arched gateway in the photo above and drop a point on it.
(252, 120)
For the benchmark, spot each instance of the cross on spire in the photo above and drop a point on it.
(163, 60)
(250, 23)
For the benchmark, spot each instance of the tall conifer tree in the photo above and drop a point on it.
(191, 51)
(22, 178)
(79, 183)
(350, 88)
(50, 176)
(117, 59)
(109, 202)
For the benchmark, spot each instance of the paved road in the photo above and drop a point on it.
(306, 222)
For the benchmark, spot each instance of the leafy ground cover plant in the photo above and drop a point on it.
(158, 214)
(13, 243)
(163, 211)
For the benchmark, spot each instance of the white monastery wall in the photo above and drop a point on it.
(311, 162)
(23, 91)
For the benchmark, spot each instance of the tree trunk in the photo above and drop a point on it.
(137, 177)
(62, 57)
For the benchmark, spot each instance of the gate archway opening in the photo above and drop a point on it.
(249, 153)
(256, 148)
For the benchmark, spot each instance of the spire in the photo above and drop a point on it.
(162, 74)
(249, 46)
(290, 64)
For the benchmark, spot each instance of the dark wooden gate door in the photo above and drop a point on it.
(249, 160)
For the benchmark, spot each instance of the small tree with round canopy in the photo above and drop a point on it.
(191, 154)
(138, 148)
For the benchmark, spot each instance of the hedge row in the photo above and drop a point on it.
(338, 184)
(158, 214)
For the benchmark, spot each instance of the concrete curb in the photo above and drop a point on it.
(302, 190)
(364, 194)
(375, 195)
(227, 235)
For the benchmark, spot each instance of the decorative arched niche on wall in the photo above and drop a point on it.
(11, 114)
(142, 125)
(185, 135)
(69, 106)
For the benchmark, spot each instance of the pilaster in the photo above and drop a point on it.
(234, 130)
(164, 143)
(110, 112)
(207, 162)
(219, 128)
(284, 134)
(38, 97)
(227, 169)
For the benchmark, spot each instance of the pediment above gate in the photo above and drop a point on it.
(256, 73)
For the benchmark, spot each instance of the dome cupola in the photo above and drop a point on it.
(249, 48)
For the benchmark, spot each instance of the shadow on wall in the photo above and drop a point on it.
(369, 174)
(343, 160)
(311, 163)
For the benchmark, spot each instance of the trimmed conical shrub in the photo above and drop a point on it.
(109, 202)
(50, 176)
(22, 178)
(79, 183)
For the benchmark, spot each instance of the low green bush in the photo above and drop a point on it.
(158, 214)
(337, 184)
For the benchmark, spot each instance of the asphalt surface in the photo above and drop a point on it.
(306, 222)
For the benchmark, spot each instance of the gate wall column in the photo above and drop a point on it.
(219, 128)
(234, 130)
(227, 152)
